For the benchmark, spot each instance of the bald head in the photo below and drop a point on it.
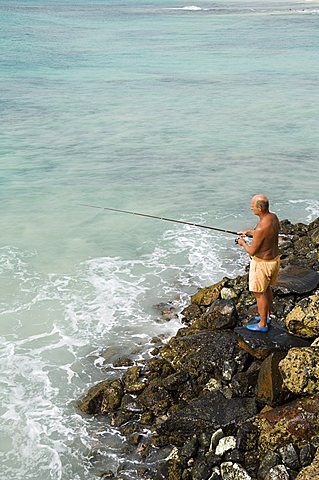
(261, 201)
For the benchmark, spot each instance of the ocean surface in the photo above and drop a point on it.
(174, 109)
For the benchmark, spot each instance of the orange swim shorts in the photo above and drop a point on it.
(263, 273)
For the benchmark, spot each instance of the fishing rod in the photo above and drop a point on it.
(162, 218)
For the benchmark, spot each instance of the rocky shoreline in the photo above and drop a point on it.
(220, 402)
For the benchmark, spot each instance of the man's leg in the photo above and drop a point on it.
(262, 299)
(269, 300)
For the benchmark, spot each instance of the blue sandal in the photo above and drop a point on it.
(257, 318)
(256, 328)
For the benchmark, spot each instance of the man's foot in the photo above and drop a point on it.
(257, 318)
(256, 328)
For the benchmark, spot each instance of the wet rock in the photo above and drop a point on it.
(206, 296)
(190, 448)
(296, 279)
(296, 422)
(281, 307)
(314, 236)
(286, 227)
(268, 461)
(290, 457)
(233, 471)
(279, 472)
(314, 224)
(222, 314)
(213, 385)
(191, 313)
(123, 362)
(121, 417)
(135, 387)
(234, 456)
(130, 404)
(244, 383)
(260, 345)
(107, 474)
(303, 320)
(229, 369)
(158, 367)
(201, 470)
(131, 374)
(228, 293)
(312, 471)
(212, 411)
(135, 438)
(300, 370)
(270, 382)
(247, 437)
(225, 444)
(103, 398)
(158, 339)
(146, 418)
(156, 398)
(251, 463)
(203, 353)
(212, 459)
(306, 454)
(175, 470)
(175, 380)
(155, 352)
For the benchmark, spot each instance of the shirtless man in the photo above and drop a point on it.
(265, 260)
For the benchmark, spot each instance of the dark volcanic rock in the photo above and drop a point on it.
(296, 422)
(247, 437)
(243, 384)
(206, 296)
(270, 388)
(103, 398)
(156, 398)
(220, 315)
(296, 279)
(307, 452)
(203, 353)
(268, 461)
(289, 456)
(190, 313)
(212, 411)
(190, 448)
(299, 370)
(174, 381)
(310, 472)
(260, 345)
(303, 319)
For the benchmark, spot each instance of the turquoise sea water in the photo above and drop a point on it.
(182, 110)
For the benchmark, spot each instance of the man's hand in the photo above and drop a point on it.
(240, 241)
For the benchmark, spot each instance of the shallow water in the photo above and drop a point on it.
(177, 110)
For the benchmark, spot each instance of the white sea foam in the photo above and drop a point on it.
(310, 206)
(192, 8)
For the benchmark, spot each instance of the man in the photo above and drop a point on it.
(265, 260)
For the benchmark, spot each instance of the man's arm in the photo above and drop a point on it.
(249, 233)
(258, 237)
